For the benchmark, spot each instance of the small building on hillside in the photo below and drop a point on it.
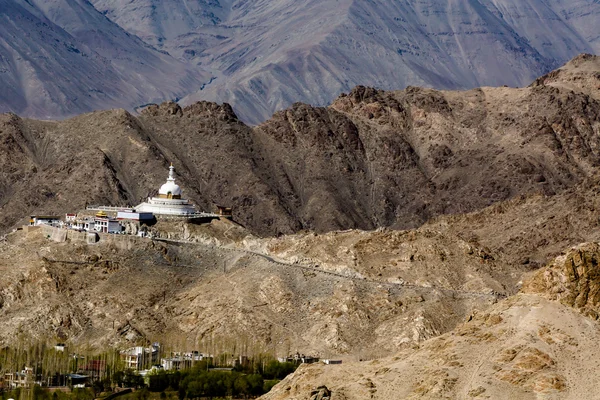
(299, 359)
(84, 224)
(51, 220)
(135, 216)
(103, 223)
(224, 211)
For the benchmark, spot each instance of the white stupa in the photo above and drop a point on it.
(169, 201)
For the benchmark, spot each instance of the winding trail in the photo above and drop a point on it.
(312, 268)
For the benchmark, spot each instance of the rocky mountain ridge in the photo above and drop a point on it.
(371, 159)
(391, 45)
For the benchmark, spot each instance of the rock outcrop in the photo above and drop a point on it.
(573, 279)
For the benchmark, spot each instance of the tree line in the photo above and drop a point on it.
(243, 381)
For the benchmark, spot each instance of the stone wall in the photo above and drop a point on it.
(61, 235)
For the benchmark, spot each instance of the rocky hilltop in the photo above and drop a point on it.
(128, 289)
(371, 159)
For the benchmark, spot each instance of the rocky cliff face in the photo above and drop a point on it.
(573, 279)
(371, 159)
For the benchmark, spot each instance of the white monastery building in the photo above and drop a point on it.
(169, 201)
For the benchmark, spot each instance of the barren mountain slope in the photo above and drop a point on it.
(60, 58)
(125, 289)
(582, 16)
(525, 347)
(157, 21)
(262, 56)
(271, 55)
(371, 159)
(510, 238)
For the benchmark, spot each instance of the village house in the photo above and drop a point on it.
(138, 357)
(84, 224)
(299, 359)
(103, 223)
(179, 361)
(23, 379)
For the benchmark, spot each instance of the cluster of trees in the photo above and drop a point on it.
(271, 369)
(48, 362)
(244, 381)
(220, 384)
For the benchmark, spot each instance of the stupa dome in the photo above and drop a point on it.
(168, 201)
(170, 188)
